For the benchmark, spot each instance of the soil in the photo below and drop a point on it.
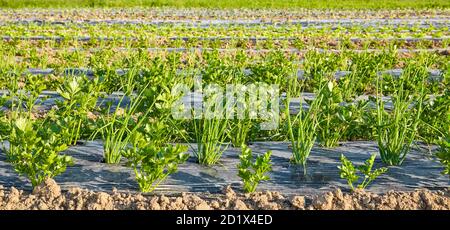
(48, 196)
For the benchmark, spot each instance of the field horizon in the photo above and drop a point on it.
(222, 4)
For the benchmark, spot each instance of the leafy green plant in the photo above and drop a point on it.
(348, 171)
(239, 131)
(34, 151)
(335, 117)
(302, 130)
(241, 124)
(363, 71)
(210, 128)
(117, 128)
(252, 171)
(443, 154)
(3, 119)
(397, 129)
(34, 85)
(320, 68)
(24, 93)
(223, 70)
(435, 118)
(359, 117)
(160, 131)
(152, 164)
(80, 96)
(210, 135)
(275, 69)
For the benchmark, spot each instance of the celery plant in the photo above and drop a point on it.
(348, 171)
(302, 130)
(34, 150)
(210, 135)
(80, 96)
(253, 171)
(152, 164)
(397, 129)
(117, 128)
(443, 153)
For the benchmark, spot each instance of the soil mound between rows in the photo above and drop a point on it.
(48, 196)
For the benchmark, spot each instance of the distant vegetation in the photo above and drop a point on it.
(312, 4)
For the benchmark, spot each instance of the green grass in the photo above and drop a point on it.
(311, 4)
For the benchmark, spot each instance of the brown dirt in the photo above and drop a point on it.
(49, 196)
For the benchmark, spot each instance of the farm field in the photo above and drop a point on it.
(222, 4)
(225, 108)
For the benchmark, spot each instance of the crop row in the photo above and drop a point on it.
(227, 38)
(140, 30)
(236, 37)
(161, 51)
(88, 38)
(436, 23)
(228, 42)
(150, 86)
(434, 75)
(109, 60)
(287, 29)
(194, 14)
(140, 125)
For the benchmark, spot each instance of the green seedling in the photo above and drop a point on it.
(239, 131)
(348, 171)
(210, 129)
(117, 128)
(210, 135)
(242, 124)
(334, 117)
(397, 129)
(253, 171)
(443, 154)
(302, 130)
(153, 164)
(435, 118)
